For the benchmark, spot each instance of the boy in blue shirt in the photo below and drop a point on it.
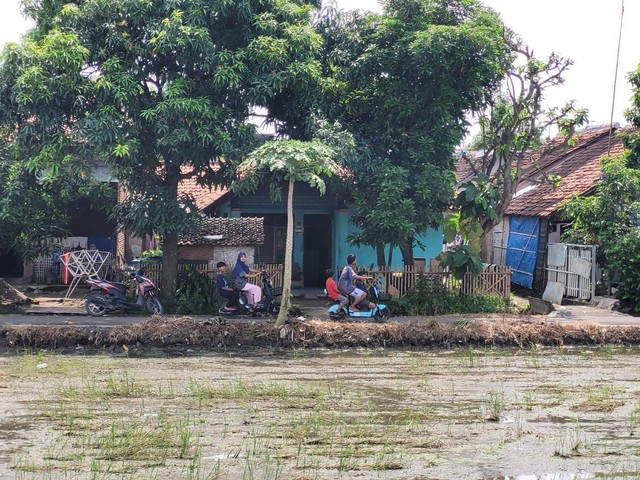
(223, 288)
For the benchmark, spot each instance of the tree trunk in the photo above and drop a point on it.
(380, 254)
(170, 244)
(407, 251)
(288, 260)
(169, 265)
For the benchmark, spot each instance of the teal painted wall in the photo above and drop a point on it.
(309, 201)
(431, 245)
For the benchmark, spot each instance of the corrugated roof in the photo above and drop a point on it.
(234, 232)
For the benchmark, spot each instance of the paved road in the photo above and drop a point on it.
(316, 308)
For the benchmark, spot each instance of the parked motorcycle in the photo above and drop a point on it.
(268, 306)
(105, 296)
(380, 313)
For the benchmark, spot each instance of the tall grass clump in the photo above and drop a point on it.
(427, 298)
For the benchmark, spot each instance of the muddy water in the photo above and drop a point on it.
(472, 414)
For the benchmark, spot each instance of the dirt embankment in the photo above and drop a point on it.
(185, 333)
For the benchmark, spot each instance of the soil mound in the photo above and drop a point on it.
(11, 300)
(214, 335)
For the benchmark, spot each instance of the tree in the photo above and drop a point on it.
(285, 162)
(401, 83)
(160, 90)
(512, 123)
(631, 138)
(610, 218)
(35, 205)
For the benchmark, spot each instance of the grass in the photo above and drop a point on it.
(317, 417)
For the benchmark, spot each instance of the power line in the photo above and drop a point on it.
(615, 80)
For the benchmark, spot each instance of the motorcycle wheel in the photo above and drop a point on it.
(94, 308)
(381, 316)
(275, 309)
(226, 313)
(154, 306)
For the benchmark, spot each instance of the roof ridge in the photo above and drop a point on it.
(572, 151)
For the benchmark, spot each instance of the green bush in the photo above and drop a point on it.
(624, 257)
(195, 294)
(428, 299)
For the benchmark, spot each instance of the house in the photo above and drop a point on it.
(321, 226)
(256, 225)
(533, 219)
(89, 228)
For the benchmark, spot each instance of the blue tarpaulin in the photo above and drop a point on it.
(522, 249)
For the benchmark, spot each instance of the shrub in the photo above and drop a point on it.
(624, 257)
(428, 299)
(194, 293)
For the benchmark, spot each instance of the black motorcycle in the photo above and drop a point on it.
(105, 296)
(268, 305)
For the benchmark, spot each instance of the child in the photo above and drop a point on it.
(332, 289)
(224, 290)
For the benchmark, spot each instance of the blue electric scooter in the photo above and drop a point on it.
(380, 313)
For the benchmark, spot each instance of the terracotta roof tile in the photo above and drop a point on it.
(202, 195)
(464, 165)
(539, 159)
(579, 169)
(557, 149)
(234, 232)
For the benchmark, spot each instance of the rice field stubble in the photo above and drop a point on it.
(464, 413)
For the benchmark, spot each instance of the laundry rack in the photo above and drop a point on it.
(82, 264)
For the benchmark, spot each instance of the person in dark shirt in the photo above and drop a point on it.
(224, 290)
(346, 286)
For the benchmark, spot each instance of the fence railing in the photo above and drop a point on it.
(154, 272)
(493, 280)
(394, 281)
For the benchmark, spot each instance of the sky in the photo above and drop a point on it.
(585, 31)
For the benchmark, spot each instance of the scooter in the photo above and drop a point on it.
(268, 305)
(105, 296)
(380, 313)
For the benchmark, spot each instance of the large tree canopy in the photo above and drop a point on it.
(160, 90)
(402, 82)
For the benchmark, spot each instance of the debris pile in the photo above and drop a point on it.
(11, 300)
(185, 334)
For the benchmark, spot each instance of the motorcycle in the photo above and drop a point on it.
(380, 313)
(105, 296)
(268, 305)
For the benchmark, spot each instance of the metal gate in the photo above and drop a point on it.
(573, 266)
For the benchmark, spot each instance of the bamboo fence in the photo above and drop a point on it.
(395, 282)
(154, 272)
(494, 280)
